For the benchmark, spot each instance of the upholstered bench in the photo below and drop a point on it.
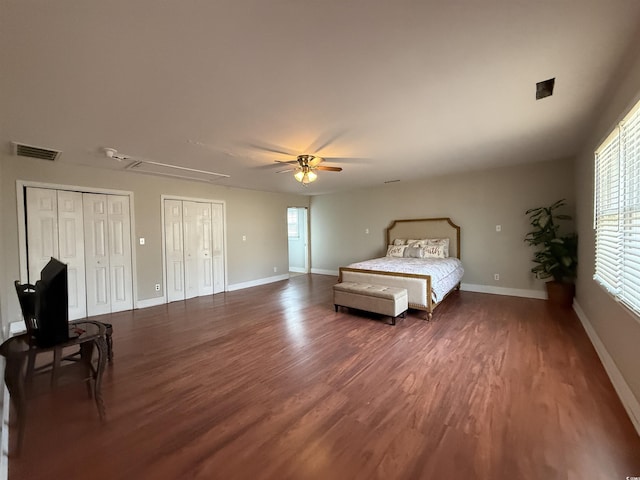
(389, 301)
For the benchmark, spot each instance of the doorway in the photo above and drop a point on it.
(298, 231)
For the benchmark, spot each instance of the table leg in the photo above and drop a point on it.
(97, 382)
(15, 382)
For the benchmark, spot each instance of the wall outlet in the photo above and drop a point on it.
(157, 287)
(496, 276)
(275, 269)
(498, 228)
(366, 231)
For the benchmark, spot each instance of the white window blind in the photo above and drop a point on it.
(617, 212)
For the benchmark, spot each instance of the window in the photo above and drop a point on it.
(292, 222)
(617, 211)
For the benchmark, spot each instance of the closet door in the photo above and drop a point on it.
(96, 241)
(119, 248)
(55, 229)
(191, 241)
(42, 229)
(217, 246)
(174, 250)
(71, 250)
(204, 251)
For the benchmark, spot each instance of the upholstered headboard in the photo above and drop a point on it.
(418, 228)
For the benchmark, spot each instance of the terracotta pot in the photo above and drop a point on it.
(561, 293)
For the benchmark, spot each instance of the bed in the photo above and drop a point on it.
(428, 280)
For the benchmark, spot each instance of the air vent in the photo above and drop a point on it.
(545, 89)
(23, 150)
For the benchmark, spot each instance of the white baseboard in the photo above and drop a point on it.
(297, 270)
(628, 399)
(255, 283)
(321, 271)
(511, 292)
(151, 302)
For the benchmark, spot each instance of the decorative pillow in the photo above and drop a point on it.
(434, 242)
(413, 251)
(433, 251)
(395, 250)
(418, 243)
(399, 241)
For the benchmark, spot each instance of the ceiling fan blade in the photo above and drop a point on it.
(347, 160)
(286, 162)
(324, 140)
(287, 170)
(316, 161)
(328, 169)
(268, 147)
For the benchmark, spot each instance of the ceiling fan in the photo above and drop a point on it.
(306, 164)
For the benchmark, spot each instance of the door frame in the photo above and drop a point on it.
(22, 233)
(164, 197)
(307, 250)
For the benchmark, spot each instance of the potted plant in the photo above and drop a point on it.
(557, 257)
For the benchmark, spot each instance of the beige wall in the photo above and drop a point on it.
(477, 201)
(260, 216)
(617, 327)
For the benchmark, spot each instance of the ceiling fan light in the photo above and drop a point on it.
(305, 176)
(311, 176)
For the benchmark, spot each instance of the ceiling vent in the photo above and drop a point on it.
(545, 89)
(23, 150)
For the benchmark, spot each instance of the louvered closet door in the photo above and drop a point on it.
(174, 250)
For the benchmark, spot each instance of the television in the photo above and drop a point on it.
(52, 305)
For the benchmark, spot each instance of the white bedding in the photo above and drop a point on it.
(445, 273)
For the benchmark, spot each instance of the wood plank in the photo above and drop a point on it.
(270, 382)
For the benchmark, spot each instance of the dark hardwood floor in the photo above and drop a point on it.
(271, 383)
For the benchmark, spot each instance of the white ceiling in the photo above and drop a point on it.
(403, 88)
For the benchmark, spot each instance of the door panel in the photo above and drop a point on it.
(203, 249)
(193, 231)
(217, 246)
(42, 229)
(119, 247)
(174, 250)
(71, 249)
(96, 253)
(190, 229)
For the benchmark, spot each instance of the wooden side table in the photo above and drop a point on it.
(88, 335)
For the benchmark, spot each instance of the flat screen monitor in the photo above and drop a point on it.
(52, 304)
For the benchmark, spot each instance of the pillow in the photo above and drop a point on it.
(395, 250)
(399, 241)
(413, 251)
(434, 242)
(417, 243)
(434, 251)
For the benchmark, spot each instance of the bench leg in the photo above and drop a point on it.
(336, 307)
